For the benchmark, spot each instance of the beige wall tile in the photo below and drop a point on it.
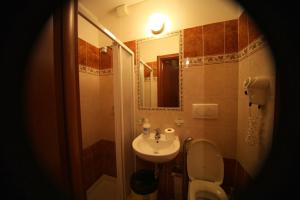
(251, 157)
(205, 84)
(97, 120)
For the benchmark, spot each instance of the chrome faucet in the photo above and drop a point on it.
(157, 134)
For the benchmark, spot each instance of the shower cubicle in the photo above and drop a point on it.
(122, 92)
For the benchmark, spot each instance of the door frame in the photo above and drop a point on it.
(160, 90)
(67, 21)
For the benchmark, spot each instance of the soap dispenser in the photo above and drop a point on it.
(146, 127)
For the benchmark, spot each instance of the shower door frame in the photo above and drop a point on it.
(120, 139)
(118, 104)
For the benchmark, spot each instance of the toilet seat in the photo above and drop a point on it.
(206, 190)
(205, 169)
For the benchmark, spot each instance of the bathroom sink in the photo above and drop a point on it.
(157, 151)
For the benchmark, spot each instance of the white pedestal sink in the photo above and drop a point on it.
(147, 148)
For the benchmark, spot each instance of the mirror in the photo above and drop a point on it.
(159, 71)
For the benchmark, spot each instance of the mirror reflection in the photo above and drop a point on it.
(159, 68)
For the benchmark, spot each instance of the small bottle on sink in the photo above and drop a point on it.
(146, 127)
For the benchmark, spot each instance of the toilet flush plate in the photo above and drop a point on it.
(205, 111)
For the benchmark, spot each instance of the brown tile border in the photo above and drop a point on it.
(226, 58)
(81, 51)
(254, 32)
(88, 70)
(242, 31)
(132, 46)
(96, 72)
(106, 59)
(92, 56)
(252, 48)
(105, 72)
(213, 38)
(193, 41)
(231, 36)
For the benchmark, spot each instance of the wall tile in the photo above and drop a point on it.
(87, 159)
(242, 178)
(81, 52)
(243, 31)
(213, 83)
(153, 65)
(254, 32)
(98, 159)
(213, 37)
(231, 36)
(92, 56)
(193, 42)
(230, 166)
(132, 45)
(106, 59)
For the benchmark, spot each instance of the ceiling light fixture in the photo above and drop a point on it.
(157, 23)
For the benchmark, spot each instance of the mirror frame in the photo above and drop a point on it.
(180, 34)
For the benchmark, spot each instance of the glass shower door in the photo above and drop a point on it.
(124, 114)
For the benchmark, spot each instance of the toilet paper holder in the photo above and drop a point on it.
(257, 89)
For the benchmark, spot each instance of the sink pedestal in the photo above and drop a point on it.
(157, 168)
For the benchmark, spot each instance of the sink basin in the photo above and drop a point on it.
(147, 148)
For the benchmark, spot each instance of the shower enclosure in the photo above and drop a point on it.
(148, 86)
(106, 74)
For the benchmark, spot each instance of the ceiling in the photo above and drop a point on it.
(103, 7)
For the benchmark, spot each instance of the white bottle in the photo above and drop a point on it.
(146, 127)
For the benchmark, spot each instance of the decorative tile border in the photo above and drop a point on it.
(88, 70)
(93, 71)
(153, 78)
(105, 72)
(252, 47)
(225, 58)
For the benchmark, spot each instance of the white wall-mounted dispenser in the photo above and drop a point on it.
(257, 88)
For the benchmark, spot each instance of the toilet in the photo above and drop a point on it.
(205, 169)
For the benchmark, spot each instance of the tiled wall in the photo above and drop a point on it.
(215, 53)
(153, 65)
(97, 114)
(248, 31)
(211, 43)
(106, 59)
(92, 57)
(257, 62)
(98, 159)
(96, 96)
(216, 82)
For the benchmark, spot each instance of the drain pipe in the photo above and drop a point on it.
(185, 177)
(156, 171)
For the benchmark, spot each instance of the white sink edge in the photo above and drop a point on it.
(156, 157)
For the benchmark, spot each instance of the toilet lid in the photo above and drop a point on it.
(204, 161)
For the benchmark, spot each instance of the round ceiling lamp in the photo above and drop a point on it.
(157, 23)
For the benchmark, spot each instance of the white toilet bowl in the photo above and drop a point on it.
(205, 170)
(205, 190)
